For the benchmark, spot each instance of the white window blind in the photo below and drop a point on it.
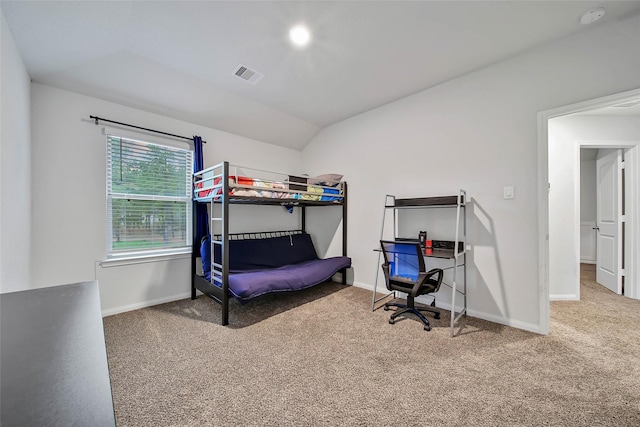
(148, 198)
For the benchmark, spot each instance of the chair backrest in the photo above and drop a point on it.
(403, 259)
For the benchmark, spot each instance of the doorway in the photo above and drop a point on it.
(564, 267)
(568, 137)
(602, 221)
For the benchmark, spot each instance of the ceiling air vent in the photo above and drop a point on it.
(247, 74)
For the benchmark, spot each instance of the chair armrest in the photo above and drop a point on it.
(418, 285)
(435, 271)
(423, 277)
(385, 271)
(439, 272)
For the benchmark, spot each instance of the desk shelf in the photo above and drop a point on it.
(424, 202)
(447, 250)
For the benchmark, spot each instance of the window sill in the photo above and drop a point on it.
(131, 259)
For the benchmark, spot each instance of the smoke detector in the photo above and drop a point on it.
(247, 74)
(592, 15)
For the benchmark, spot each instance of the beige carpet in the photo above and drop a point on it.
(321, 357)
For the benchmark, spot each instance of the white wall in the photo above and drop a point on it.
(564, 134)
(477, 132)
(69, 207)
(588, 190)
(588, 208)
(15, 169)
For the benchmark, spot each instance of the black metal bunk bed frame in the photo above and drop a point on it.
(221, 293)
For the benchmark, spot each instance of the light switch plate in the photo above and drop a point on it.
(509, 192)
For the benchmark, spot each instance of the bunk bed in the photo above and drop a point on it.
(248, 265)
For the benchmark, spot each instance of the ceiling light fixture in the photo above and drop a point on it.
(300, 35)
(592, 15)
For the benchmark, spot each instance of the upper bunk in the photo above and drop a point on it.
(246, 185)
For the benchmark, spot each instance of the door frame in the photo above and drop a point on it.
(632, 246)
(628, 148)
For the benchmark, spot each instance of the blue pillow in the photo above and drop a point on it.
(205, 254)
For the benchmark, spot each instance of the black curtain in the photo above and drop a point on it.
(201, 218)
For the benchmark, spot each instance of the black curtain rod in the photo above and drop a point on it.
(96, 118)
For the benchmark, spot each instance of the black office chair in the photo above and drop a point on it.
(404, 271)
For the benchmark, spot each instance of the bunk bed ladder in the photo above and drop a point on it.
(220, 226)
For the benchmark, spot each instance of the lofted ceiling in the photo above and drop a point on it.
(177, 58)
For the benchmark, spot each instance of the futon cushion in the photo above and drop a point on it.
(273, 252)
(248, 285)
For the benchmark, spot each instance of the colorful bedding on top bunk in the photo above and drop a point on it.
(315, 189)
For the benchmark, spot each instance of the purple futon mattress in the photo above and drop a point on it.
(277, 264)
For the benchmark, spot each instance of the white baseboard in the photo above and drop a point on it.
(144, 304)
(338, 278)
(473, 313)
(564, 297)
(504, 321)
(366, 286)
(587, 261)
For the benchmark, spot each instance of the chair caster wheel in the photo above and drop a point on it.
(386, 308)
(437, 316)
(392, 321)
(427, 328)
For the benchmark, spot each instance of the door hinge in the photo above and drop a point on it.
(623, 218)
(622, 164)
(623, 272)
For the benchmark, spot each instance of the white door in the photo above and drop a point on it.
(609, 226)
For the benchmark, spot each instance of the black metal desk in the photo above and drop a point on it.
(53, 359)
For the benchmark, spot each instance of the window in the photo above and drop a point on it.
(148, 198)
